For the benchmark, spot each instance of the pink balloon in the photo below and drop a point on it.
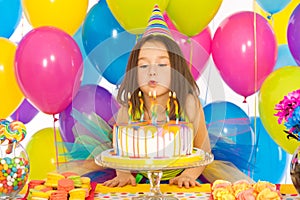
(48, 65)
(196, 49)
(242, 55)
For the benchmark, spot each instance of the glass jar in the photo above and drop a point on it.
(14, 169)
(295, 169)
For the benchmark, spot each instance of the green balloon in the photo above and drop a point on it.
(277, 85)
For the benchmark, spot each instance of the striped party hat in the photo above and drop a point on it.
(157, 24)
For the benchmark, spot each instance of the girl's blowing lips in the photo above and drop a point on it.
(152, 83)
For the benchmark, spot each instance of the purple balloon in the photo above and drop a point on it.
(25, 112)
(89, 99)
(293, 34)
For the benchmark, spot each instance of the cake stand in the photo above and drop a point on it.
(154, 167)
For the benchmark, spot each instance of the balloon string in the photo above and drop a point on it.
(55, 142)
(207, 85)
(191, 53)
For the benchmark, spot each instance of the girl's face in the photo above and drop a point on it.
(154, 71)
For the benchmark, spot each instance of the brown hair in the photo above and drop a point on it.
(182, 81)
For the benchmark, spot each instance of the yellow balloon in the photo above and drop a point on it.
(11, 93)
(133, 15)
(277, 85)
(67, 15)
(279, 21)
(191, 16)
(41, 150)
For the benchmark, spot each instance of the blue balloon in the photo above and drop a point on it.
(230, 133)
(10, 16)
(285, 57)
(106, 43)
(90, 74)
(270, 159)
(271, 6)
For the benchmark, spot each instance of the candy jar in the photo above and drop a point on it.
(14, 163)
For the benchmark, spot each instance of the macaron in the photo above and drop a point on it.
(76, 179)
(77, 193)
(53, 178)
(65, 185)
(59, 195)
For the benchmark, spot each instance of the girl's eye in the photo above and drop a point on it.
(162, 65)
(143, 66)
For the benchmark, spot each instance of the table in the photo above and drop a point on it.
(202, 192)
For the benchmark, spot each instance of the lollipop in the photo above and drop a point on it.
(3, 124)
(15, 131)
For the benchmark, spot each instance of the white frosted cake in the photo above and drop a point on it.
(146, 140)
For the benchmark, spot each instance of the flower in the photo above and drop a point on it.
(289, 113)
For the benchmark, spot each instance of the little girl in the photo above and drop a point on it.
(157, 66)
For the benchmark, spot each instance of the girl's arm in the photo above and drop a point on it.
(195, 114)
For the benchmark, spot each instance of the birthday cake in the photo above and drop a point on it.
(146, 140)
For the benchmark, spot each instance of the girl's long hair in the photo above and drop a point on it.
(182, 81)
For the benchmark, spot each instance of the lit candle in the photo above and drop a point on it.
(129, 108)
(168, 107)
(176, 107)
(152, 108)
(141, 106)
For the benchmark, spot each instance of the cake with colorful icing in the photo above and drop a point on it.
(147, 140)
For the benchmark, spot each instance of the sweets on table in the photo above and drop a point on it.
(62, 186)
(243, 190)
(14, 167)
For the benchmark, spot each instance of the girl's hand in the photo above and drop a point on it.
(184, 180)
(123, 178)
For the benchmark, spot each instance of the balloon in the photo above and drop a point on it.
(279, 21)
(66, 15)
(108, 46)
(268, 168)
(25, 112)
(230, 133)
(244, 59)
(191, 17)
(133, 15)
(11, 93)
(285, 57)
(277, 85)
(293, 34)
(90, 98)
(41, 151)
(10, 17)
(90, 74)
(273, 7)
(196, 49)
(48, 67)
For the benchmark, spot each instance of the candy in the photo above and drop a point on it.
(9, 173)
(15, 131)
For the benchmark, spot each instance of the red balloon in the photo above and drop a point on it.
(243, 56)
(48, 67)
(196, 49)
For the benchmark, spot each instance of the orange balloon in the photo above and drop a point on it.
(279, 21)
(11, 95)
(67, 15)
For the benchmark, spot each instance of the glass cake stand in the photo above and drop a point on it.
(154, 167)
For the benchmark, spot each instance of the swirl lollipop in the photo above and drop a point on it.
(3, 124)
(15, 131)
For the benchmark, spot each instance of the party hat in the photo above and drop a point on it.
(157, 24)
